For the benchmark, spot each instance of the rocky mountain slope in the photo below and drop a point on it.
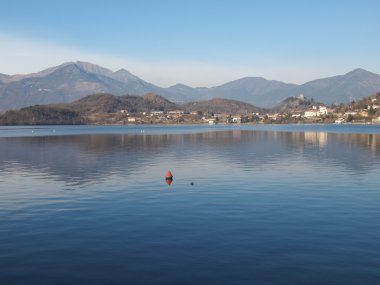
(74, 80)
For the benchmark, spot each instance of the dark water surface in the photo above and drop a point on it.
(269, 205)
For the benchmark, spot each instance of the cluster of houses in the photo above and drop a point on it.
(338, 115)
(369, 112)
(314, 114)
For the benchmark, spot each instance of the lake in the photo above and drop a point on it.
(292, 204)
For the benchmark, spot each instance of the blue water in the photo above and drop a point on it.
(268, 205)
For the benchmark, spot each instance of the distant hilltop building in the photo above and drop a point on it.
(301, 97)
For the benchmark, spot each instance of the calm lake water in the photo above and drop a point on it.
(268, 205)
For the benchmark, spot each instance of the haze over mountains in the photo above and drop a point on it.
(74, 80)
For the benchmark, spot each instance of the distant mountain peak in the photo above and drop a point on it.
(359, 71)
(93, 68)
(180, 86)
(124, 71)
(123, 74)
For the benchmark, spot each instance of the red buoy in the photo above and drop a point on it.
(169, 177)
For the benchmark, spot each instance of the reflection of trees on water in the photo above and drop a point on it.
(93, 157)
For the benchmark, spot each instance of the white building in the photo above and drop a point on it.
(311, 113)
(176, 112)
(322, 111)
(236, 119)
(316, 112)
(212, 121)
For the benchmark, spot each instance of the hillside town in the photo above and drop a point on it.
(366, 111)
(107, 109)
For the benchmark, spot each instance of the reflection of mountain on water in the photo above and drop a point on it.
(77, 159)
(80, 159)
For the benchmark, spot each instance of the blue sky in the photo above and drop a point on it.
(199, 43)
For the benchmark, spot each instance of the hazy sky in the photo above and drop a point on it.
(199, 43)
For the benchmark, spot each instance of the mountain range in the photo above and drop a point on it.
(74, 80)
